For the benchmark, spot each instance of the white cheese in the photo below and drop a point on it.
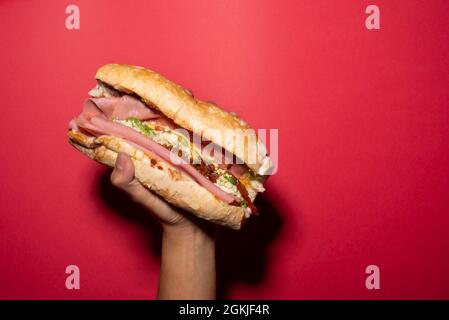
(228, 187)
(102, 91)
(267, 167)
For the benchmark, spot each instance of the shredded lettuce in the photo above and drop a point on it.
(230, 179)
(182, 140)
(142, 127)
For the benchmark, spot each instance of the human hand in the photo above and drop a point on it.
(188, 243)
(123, 178)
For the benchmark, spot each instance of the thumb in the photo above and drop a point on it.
(123, 172)
(123, 178)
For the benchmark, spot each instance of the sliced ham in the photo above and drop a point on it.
(90, 108)
(124, 107)
(145, 144)
(73, 125)
(238, 170)
(95, 119)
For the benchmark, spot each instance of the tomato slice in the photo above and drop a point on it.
(245, 196)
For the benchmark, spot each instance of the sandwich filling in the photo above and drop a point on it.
(110, 112)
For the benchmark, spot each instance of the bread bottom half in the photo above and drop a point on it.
(172, 184)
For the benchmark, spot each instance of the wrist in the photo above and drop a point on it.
(191, 232)
(190, 227)
(188, 261)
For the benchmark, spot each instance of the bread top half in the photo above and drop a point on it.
(202, 118)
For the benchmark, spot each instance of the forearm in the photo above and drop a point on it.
(187, 264)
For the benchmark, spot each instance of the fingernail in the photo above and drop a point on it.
(120, 162)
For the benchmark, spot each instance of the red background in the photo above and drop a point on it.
(363, 144)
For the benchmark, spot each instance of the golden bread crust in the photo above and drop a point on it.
(202, 118)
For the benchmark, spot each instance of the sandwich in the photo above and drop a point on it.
(192, 153)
